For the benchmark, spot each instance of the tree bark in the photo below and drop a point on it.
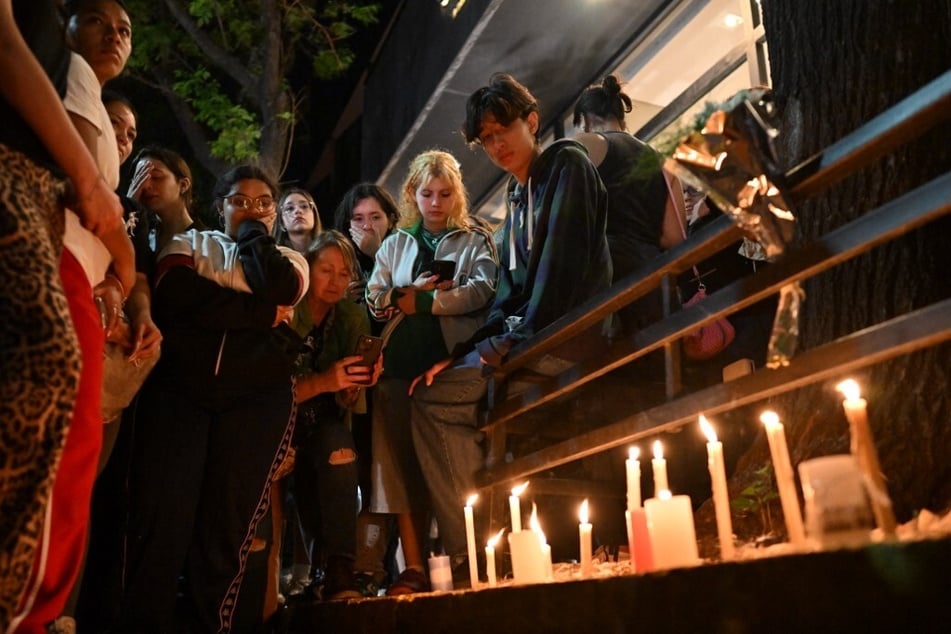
(835, 65)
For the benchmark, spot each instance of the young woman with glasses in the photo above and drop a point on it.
(212, 423)
(298, 222)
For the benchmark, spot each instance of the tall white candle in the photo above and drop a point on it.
(490, 558)
(863, 450)
(660, 469)
(632, 467)
(515, 508)
(470, 542)
(721, 499)
(785, 481)
(672, 533)
(584, 534)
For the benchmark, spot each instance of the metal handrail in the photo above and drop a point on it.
(901, 123)
(928, 326)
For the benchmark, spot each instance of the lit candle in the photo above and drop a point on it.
(536, 527)
(490, 558)
(584, 533)
(633, 468)
(721, 500)
(528, 556)
(516, 508)
(782, 467)
(660, 469)
(863, 450)
(673, 537)
(470, 542)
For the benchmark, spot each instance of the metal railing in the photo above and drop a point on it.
(925, 327)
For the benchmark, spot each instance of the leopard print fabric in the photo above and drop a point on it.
(39, 363)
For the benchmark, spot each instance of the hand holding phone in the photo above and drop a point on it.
(445, 270)
(369, 348)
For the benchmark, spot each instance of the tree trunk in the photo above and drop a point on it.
(835, 65)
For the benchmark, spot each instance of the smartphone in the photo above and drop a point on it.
(369, 348)
(444, 269)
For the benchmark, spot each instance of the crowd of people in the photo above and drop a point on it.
(253, 434)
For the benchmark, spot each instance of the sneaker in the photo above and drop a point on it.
(62, 625)
(339, 581)
(367, 584)
(410, 581)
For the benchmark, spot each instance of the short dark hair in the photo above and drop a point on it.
(241, 173)
(504, 98)
(604, 100)
(73, 7)
(354, 195)
(110, 95)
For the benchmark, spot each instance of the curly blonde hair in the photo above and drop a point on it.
(422, 169)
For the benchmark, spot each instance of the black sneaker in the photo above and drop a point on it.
(339, 581)
(367, 584)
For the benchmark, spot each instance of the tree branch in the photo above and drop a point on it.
(218, 56)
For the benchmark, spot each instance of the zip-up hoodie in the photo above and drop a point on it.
(554, 251)
(215, 300)
(459, 308)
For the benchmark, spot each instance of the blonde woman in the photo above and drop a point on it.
(432, 281)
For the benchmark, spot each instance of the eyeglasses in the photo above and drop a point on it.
(263, 203)
(290, 208)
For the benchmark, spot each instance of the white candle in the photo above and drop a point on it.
(470, 542)
(660, 469)
(584, 534)
(490, 558)
(536, 527)
(515, 508)
(863, 450)
(721, 499)
(528, 560)
(672, 533)
(632, 467)
(785, 481)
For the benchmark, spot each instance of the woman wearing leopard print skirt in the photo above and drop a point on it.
(40, 364)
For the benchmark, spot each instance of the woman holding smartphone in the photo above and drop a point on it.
(332, 373)
(430, 306)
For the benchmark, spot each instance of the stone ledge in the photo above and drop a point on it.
(883, 587)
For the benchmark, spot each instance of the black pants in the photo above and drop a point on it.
(198, 487)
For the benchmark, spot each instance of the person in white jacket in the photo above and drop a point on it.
(428, 315)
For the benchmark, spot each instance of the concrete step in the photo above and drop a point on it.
(900, 587)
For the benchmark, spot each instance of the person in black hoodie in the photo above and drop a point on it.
(213, 422)
(554, 256)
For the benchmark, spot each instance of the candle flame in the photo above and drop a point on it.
(583, 512)
(536, 527)
(520, 489)
(495, 540)
(708, 429)
(769, 418)
(658, 450)
(634, 453)
(472, 499)
(533, 520)
(849, 389)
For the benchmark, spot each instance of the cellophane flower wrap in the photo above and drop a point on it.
(732, 159)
